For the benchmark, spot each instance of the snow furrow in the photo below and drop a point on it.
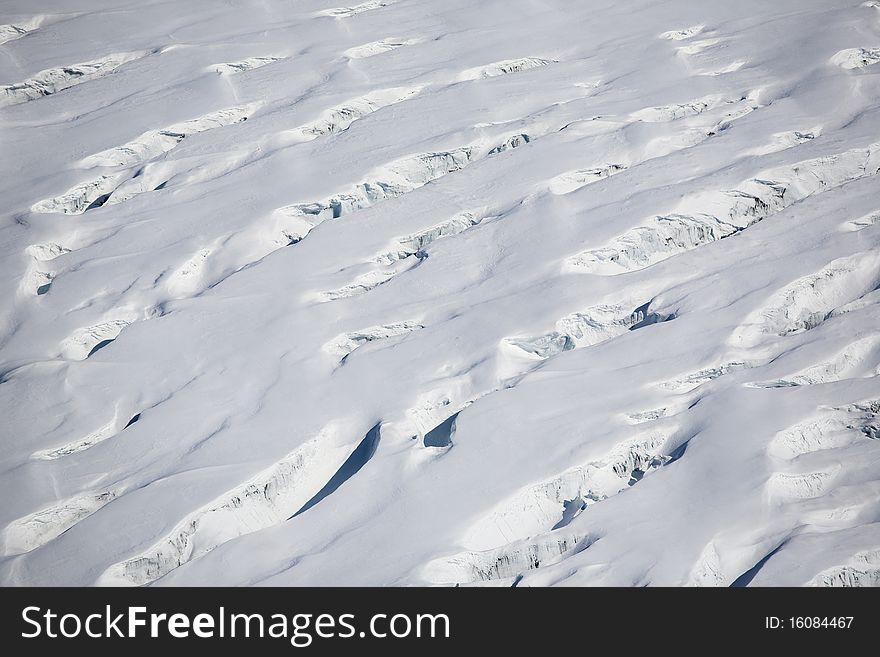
(696, 47)
(86, 341)
(397, 179)
(863, 570)
(853, 58)
(505, 563)
(268, 499)
(391, 181)
(13, 31)
(694, 380)
(674, 112)
(343, 345)
(784, 140)
(338, 119)
(368, 284)
(248, 64)
(859, 358)
(82, 197)
(154, 143)
(709, 217)
(505, 68)
(374, 48)
(106, 432)
(793, 487)
(368, 281)
(38, 528)
(555, 502)
(830, 429)
(863, 222)
(584, 329)
(412, 245)
(574, 180)
(407, 253)
(53, 80)
(681, 35)
(809, 301)
(347, 12)
(47, 251)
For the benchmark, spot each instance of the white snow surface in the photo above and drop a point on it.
(407, 292)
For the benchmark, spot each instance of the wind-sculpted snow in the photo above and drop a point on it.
(104, 433)
(53, 80)
(13, 31)
(863, 569)
(841, 558)
(397, 179)
(784, 140)
(119, 187)
(392, 180)
(696, 379)
(440, 293)
(340, 118)
(859, 358)
(86, 341)
(368, 281)
(681, 35)
(586, 328)
(695, 47)
(572, 180)
(503, 68)
(40, 527)
(556, 502)
(347, 12)
(411, 245)
(507, 563)
(830, 429)
(709, 217)
(406, 253)
(677, 111)
(157, 142)
(270, 498)
(248, 64)
(84, 196)
(374, 48)
(865, 221)
(856, 57)
(809, 301)
(346, 343)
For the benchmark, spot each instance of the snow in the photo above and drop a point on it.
(416, 292)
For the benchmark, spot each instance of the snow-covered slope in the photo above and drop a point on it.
(521, 292)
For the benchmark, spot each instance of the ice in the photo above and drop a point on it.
(427, 292)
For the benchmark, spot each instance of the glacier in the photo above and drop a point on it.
(423, 292)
